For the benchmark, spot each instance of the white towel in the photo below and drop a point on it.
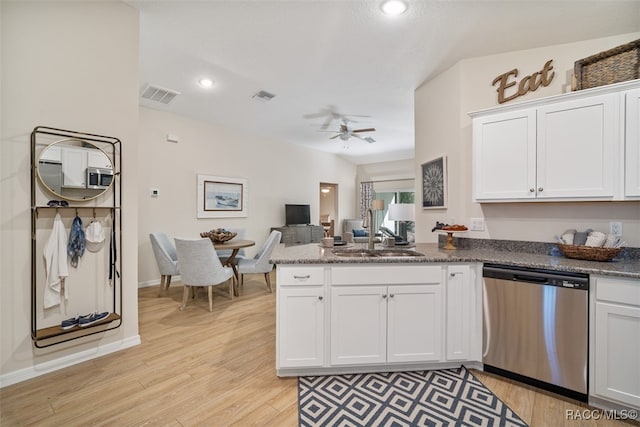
(55, 263)
(596, 239)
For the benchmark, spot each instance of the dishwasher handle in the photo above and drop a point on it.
(529, 278)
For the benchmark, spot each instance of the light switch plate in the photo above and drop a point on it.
(477, 224)
(615, 228)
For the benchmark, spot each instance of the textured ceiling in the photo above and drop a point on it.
(341, 56)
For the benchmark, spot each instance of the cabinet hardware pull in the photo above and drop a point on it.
(540, 189)
(531, 190)
(453, 274)
(320, 297)
(392, 295)
(308, 276)
(384, 296)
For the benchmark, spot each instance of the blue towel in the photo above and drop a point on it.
(75, 248)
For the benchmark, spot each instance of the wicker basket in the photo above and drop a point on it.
(219, 235)
(589, 252)
(616, 65)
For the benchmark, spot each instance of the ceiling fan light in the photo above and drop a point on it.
(394, 7)
(205, 82)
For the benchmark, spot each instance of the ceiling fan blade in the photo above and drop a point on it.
(336, 136)
(355, 135)
(364, 130)
(369, 140)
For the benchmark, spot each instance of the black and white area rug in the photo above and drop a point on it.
(452, 397)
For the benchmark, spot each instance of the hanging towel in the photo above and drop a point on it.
(75, 248)
(55, 263)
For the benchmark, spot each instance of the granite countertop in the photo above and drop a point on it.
(313, 253)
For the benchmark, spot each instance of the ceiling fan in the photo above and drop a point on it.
(344, 133)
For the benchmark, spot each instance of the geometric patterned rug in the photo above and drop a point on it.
(452, 397)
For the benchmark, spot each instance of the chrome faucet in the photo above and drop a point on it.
(368, 223)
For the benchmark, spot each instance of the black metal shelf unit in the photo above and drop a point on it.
(51, 335)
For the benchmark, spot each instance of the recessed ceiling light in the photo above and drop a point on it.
(206, 83)
(394, 7)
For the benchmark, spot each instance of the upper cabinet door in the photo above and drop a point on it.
(632, 144)
(505, 156)
(577, 148)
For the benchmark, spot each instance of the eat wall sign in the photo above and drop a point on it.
(527, 84)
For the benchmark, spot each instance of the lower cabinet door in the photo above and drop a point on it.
(414, 328)
(300, 327)
(358, 325)
(617, 353)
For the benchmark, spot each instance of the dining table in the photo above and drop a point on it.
(233, 245)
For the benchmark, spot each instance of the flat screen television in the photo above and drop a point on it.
(297, 214)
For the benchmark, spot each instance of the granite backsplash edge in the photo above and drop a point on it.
(546, 248)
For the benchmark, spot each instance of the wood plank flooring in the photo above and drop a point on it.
(201, 368)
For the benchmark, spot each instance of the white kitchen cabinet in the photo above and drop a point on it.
(577, 144)
(615, 340)
(460, 297)
(358, 325)
(568, 147)
(504, 145)
(74, 167)
(414, 323)
(632, 144)
(386, 314)
(379, 324)
(300, 317)
(98, 159)
(301, 327)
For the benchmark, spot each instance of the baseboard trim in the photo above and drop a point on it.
(66, 361)
(156, 282)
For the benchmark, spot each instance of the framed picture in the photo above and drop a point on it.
(434, 183)
(222, 197)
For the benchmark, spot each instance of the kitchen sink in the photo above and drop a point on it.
(380, 253)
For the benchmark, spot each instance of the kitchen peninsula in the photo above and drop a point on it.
(370, 313)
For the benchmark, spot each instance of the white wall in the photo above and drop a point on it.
(444, 127)
(277, 173)
(73, 66)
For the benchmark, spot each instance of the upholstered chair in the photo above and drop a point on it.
(200, 266)
(166, 257)
(260, 262)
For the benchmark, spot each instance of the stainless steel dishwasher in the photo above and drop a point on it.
(536, 327)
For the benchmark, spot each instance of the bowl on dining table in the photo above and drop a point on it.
(219, 235)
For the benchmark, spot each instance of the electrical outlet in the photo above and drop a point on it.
(615, 228)
(477, 224)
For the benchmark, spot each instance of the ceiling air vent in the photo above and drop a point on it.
(263, 96)
(159, 94)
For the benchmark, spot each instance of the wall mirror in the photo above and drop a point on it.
(76, 170)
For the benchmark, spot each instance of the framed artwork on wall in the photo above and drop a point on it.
(222, 197)
(434, 183)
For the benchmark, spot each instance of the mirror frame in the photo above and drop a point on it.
(73, 199)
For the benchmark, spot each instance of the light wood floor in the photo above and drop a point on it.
(196, 368)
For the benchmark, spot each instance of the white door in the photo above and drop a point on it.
(577, 148)
(632, 144)
(414, 327)
(358, 325)
(460, 296)
(300, 327)
(504, 155)
(617, 353)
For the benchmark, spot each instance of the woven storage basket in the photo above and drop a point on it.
(588, 252)
(616, 65)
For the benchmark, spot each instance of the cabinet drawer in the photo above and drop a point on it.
(623, 291)
(386, 275)
(296, 276)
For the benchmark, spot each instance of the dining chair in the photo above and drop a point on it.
(166, 257)
(200, 266)
(260, 262)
